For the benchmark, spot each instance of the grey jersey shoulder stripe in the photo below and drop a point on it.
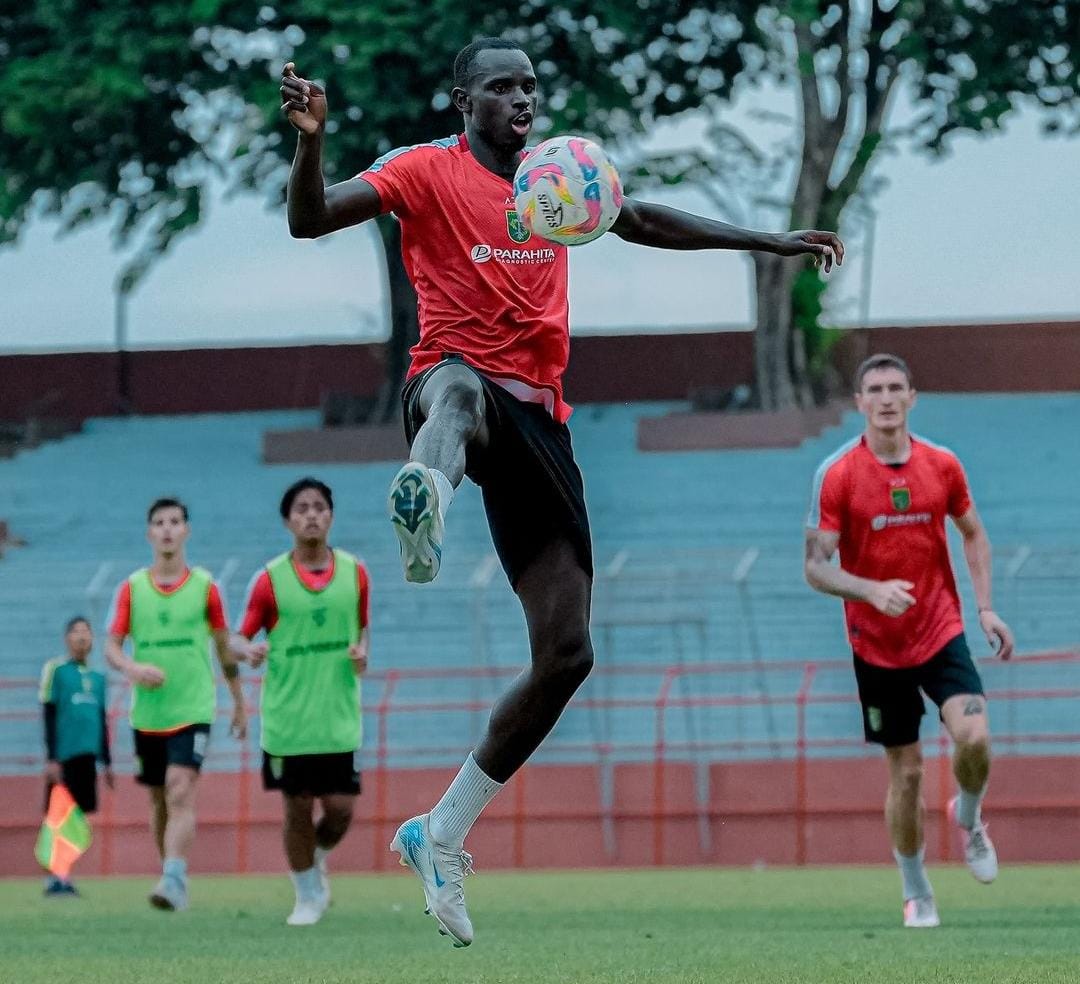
(813, 519)
(443, 143)
(935, 446)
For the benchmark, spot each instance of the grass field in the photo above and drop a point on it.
(816, 926)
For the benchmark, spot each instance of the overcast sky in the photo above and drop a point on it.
(987, 233)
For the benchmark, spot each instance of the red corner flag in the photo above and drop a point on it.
(65, 834)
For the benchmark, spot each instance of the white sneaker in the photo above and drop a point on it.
(169, 894)
(413, 504)
(307, 912)
(441, 871)
(921, 913)
(979, 850)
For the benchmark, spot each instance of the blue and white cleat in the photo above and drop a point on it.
(441, 871)
(413, 504)
(169, 894)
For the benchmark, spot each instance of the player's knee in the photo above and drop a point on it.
(338, 817)
(462, 398)
(179, 790)
(570, 659)
(907, 775)
(973, 742)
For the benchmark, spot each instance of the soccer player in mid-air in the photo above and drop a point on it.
(882, 500)
(75, 712)
(312, 603)
(484, 396)
(172, 612)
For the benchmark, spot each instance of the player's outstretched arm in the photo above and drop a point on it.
(978, 556)
(667, 228)
(888, 597)
(313, 209)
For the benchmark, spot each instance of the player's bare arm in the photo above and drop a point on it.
(246, 651)
(141, 674)
(977, 553)
(230, 669)
(313, 209)
(888, 597)
(358, 652)
(648, 224)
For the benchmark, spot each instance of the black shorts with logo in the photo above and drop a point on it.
(154, 753)
(532, 487)
(79, 774)
(892, 704)
(334, 773)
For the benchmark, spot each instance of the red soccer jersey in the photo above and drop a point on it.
(261, 611)
(488, 289)
(119, 620)
(891, 521)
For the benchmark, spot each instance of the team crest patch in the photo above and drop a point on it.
(873, 718)
(318, 616)
(901, 499)
(516, 228)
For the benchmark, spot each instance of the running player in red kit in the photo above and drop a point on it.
(484, 396)
(882, 499)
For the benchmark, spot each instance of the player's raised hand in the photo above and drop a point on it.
(892, 597)
(826, 247)
(997, 633)
(302, 101)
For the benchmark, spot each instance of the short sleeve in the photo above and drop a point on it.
(960, 500)
(119, 619)
(395, 177)
(215, 609)
(48, 674)
(827, 506)
(260, 609)
(364, 585)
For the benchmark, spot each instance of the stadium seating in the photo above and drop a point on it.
(699, 559)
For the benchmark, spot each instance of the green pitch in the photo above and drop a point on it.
(816, 926)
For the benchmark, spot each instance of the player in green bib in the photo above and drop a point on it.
(74, 708)
(171, 613)
(312, 603)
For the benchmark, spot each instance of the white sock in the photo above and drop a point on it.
(913, 874)
(967, 808)
(461, 804)
(321, 854)
(306, 883)
(445, 491)
(175, 868)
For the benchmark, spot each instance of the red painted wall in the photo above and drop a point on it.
(552, 816)
(982, 358)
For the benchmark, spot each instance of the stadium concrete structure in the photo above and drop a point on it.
(720, 726)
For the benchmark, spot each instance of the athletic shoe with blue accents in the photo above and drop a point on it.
(413, 504)
(170, 894)
(441, 871)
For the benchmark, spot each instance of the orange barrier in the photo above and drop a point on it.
(658, 801)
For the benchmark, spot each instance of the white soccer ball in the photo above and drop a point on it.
(567, 190)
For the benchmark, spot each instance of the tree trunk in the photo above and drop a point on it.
(774, 276)
(404, 322)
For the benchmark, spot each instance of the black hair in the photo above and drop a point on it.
(463, 63)
(299, 486)
(882, 361)
(166, 502)
(72, 622)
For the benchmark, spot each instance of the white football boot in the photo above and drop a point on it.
(441, 871)
(413, 504)
(307, 912)
(979, 850)
(921, 913)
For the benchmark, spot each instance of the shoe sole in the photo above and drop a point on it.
(421, 556)
(162, 903)
(397, 848)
